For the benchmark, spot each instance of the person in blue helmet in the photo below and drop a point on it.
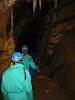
(28, 62)
(16, 80)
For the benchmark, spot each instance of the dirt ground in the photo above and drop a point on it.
(48, 89)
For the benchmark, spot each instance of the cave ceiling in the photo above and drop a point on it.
(29, 18)
(28, 25)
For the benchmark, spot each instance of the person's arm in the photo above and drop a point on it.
(32, 64)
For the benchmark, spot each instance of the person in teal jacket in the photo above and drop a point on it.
(16, 80)
(27, 59)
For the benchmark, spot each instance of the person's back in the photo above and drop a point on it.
(27, 59)
(16, 83)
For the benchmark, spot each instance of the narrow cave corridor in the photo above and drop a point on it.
(28, 37)
(30, 34)
(48, 29)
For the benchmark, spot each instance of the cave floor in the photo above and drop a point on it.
(47, 89)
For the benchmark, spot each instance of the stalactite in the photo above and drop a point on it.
(40, 3)
(34, 5)
(9, 3)
(6, 2)
(55, 1)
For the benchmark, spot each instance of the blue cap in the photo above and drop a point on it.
(24, 47)
(16, 56)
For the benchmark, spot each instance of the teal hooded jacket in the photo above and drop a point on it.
(28, 61)
(16, 83)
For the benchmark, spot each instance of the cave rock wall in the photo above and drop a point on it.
(58, 44)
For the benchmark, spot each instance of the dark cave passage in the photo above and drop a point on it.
(33, 30)
(28, 37)
(48, 32)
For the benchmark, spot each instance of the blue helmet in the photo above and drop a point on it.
(24, 47)
(16, 56)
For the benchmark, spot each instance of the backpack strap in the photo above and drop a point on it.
(24, 73)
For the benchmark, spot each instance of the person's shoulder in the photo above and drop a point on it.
(29, 56)
(19, 65)
(5, 71)
(26, 56)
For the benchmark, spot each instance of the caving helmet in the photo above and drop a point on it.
(24, 47)
(16, 56)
